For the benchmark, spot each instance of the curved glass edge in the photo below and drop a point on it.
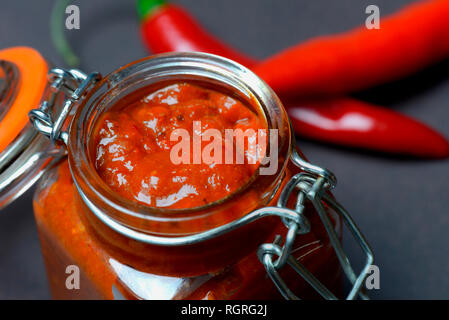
(155, 69)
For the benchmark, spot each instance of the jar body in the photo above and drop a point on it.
(98, 246)
(113, 267)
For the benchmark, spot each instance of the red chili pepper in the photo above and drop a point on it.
(406, 42)
(167, 27)
(342, 121)
(354, 123)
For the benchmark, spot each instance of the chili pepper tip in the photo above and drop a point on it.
(146, 7)
(439, 150)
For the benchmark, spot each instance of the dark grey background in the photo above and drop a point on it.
(400, 204)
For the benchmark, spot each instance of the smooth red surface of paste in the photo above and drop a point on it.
(132, 145)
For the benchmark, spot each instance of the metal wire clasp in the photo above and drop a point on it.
(72, 84)
(312, 185)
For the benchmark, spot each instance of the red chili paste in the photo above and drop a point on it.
(133, 146)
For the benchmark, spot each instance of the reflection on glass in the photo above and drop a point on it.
(153, 287)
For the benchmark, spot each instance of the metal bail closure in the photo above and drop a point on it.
(312, 185)
(24, 153)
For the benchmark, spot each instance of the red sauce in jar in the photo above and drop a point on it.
(133, 145)
(131, 141)
(130, 148)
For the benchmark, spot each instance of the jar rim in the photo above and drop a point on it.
(153, 69)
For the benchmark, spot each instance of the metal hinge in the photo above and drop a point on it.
(73, 84)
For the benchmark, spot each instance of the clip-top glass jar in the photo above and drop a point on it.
(285, 224)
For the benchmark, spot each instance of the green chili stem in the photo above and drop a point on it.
(146, 7)
(59, 40)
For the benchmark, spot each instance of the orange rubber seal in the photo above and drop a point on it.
(32, 81)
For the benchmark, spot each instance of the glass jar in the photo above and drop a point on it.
(119, 249)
